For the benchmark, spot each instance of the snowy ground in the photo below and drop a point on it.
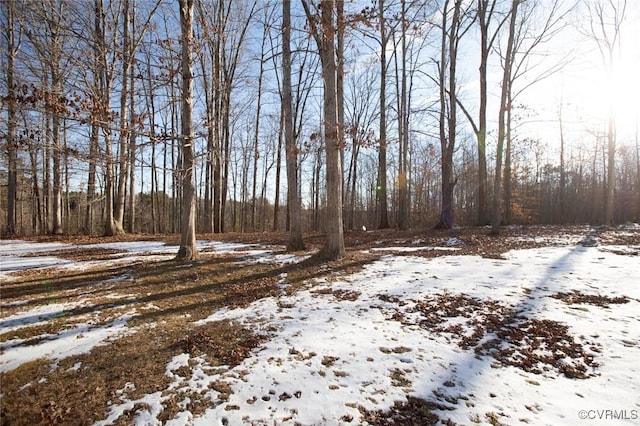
(544, 336)
(16, 255)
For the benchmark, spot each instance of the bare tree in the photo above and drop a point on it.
(487, 14)
(605, 23)
(101, 114)
(131, 38)
(324, 33)
(530, 32)
(496, 216)
(453, 27)
(37, 213)
(12, 34)
(187, 249)
(404, 106)
(563, 170)
(295, 241)
(48, 36)
(383, 31)
(413, 39)
(361, 113)
(123, 162)
(256, 135)
(94, 138)
(304, 70)
(224, 37)
(382, 153)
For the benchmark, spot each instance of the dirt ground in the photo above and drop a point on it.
(169, 298)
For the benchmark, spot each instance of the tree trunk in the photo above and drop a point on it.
(110, 225)
(56, 156)
(211, 144)
(46, 176)
(131, 146)
(605, 28)
(315, 187)
(611, 167)
(448, 103)
(324, 35)
(403, 132)
(383, 221)
(187, 251)
(150, 103)
(334, 245)
(12, 143)
(36, 221)
(485, 13)
(102, 119)
(123, 161)
(91, 178)
(353, 181)
(340, 28)
(256, 151)
(295, 241)
(496, 217)
(507, 164)
(276, 201)
(563, 175)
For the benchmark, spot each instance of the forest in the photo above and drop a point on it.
(147, 116)
(319, 212)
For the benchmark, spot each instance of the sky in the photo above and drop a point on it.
(581, 91)
(359, 340)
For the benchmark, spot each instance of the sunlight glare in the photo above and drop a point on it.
(620, 92)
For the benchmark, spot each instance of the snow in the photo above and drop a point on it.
(16, 255)
(368, 347)
(328, 355)
(12, 256)
(413, 249)
(74, 341)
(35, 316)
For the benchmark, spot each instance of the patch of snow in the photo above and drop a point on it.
(403, 249)
(14, 303)
(12, 254)
(20, 247)
(266, 256)
(453, 241)
(75, 367)
(143, 417)
(375, 361)
(74, 341)
(37, 315)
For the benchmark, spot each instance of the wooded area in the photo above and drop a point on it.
(391, 113)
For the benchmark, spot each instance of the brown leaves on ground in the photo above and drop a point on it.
(223, 342)
(533, 345)
(576, 297)
(538, 346)
(412, 412)
(346, 295)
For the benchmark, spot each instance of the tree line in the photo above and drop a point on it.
(149, 116)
